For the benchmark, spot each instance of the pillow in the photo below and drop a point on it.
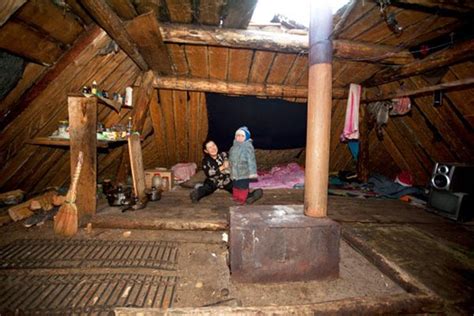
(198, 178)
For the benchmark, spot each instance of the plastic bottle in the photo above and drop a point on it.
(129, 126)
(94, 87)
(128, 96)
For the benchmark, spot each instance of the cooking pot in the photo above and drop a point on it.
(153, 194)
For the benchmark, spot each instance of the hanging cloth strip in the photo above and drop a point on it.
(351, 124)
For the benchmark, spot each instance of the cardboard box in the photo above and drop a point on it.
(165, 174)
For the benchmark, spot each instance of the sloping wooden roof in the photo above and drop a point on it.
(201, 51)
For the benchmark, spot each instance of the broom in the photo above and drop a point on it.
(66, 221)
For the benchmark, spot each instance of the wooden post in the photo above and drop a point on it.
(319, 110)
(83, 137)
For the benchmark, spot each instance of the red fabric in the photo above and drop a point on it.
(404, 178)
(240, 195)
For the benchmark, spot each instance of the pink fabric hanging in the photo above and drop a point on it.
(351, 124)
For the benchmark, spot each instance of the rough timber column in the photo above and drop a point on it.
(319, 109)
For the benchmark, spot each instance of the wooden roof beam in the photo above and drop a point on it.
(237, 88)
(20, 39)
(280, 42)
(8, 7)
(458, 53)
(371, 94)
(113, 25)
(145, 30)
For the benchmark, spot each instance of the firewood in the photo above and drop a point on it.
(11, 197)
(24, 210)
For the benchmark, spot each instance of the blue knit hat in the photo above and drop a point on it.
(245, 131)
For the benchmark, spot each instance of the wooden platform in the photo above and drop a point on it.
(435, 251)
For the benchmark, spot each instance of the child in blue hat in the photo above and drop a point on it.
(243, 167)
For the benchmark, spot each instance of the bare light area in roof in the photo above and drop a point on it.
(296, 10)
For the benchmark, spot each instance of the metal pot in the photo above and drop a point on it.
(153, 194)
(118, 197)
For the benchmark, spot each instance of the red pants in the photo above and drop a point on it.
(240, 195)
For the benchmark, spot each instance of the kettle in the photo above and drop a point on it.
(154, 194)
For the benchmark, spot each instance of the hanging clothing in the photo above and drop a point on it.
(400, 106)
(351, 124)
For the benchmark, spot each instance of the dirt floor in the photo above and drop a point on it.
(414, 252)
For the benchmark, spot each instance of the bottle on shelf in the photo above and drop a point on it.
(94, 87)
(129, 126)
(128, 96)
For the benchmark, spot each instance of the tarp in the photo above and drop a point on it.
(273, 123)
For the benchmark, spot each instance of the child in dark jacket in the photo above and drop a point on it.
(243, 167)
(216, 168)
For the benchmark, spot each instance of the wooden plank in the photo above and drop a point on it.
(297, 70)
(463, 100)
(459, 140)
(145, 31)
(79, 11)
(194, 144)
(181, 124)
(203, 126)
(240, 61)
(159, 136)
(82, 130)
(136, 164)
(19, 39)
(51, 19)
(410, 21)
(180, 11)
(369, 17)
(124, 8)
(358, 13)
(339, 26)
(238, 13)
(280, 68)
(8, 8)
(261, 64)
(112, 24)
(178, 57)
(47, 141)
(166, 102)
(197, 61)
(210, 12)
(218, 61)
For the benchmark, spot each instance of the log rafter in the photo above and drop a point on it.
(235, 88)
(447, 57)
(280, 42)
(114, 26)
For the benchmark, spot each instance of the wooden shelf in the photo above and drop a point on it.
(47, 141)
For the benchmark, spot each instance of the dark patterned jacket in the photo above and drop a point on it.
(212, 172)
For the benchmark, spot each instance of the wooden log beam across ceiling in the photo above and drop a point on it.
(458, 53)
(113, 25)
(235, 88)
(280, 42)
(8, 7)
(371, 94)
